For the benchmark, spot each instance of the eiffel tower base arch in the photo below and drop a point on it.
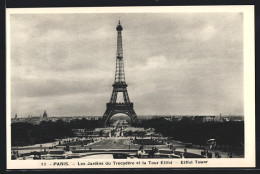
(116, 108)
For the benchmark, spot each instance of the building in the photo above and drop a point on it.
(44, 115)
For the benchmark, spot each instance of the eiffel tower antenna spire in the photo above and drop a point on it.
(119, 86)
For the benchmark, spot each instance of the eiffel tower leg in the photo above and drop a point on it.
(106, 116)
(133, 116)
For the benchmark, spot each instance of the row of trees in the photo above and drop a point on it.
(225, 133)
(47, 131)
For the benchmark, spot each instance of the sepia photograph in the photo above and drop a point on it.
(130, 87)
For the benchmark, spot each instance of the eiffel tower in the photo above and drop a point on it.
(119, 86)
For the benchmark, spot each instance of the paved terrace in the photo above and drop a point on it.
(112, 144)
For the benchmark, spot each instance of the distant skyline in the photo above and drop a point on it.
(175, 63)
(118, 115)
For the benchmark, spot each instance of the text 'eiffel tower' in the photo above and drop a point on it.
(119, 86)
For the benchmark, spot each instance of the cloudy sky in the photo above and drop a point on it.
(175, 63)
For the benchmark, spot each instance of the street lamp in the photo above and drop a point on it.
(129, 144)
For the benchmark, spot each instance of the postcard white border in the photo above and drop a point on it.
(249, 88)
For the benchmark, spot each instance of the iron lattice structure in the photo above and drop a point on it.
(119, 86)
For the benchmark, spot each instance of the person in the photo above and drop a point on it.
(203, 153)
(140, 152)
(67, 148)
(216, 154)
(209, 155)
(230, 154)
(151, 153)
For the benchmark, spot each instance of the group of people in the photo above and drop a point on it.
(208, 154)
(151, 153)
(141, 151)
(15, 154)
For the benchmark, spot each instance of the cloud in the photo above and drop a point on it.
(177, 63)
(155, 62)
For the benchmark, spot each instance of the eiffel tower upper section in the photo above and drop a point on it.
(119, 75)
